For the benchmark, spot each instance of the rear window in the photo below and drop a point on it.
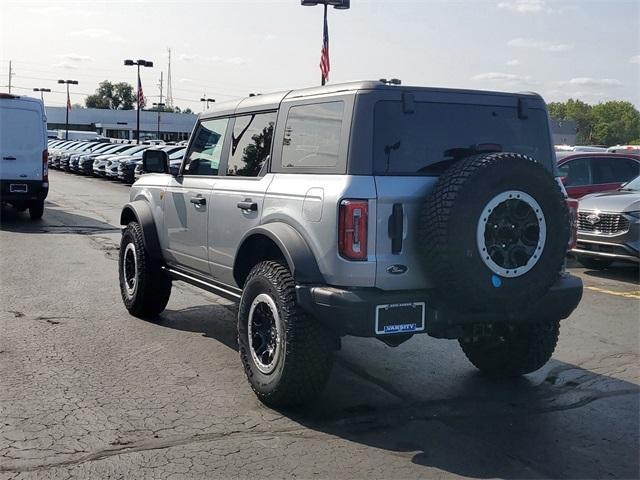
(312, 135)
(418, 143)
(21, 129)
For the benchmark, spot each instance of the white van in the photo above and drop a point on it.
(24, 179)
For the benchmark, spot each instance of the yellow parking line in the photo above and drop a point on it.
(635, 294)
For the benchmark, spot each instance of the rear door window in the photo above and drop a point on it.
(423, 141)
(614, 170)
(206, 148)
(312, 135)
(575, 172)
(251, 144)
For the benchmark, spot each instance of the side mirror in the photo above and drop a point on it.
(155, 161)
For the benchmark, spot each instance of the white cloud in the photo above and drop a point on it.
(75, 57)
(523, 6)
(237, 61)
(184, 57)
(534, 6)
(593, 82)
(635, 59)
(53, 10)
(66, 65)
(510, 78)
(97, 33)
(185, 80)
(513, 63)
(539, 45)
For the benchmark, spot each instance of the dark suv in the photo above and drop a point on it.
(361, 209)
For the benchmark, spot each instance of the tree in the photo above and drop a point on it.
(114, 96)
(615, 123)
(608, 123)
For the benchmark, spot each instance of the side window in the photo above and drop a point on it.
(614, 170)
(251, 144)
(312, 135)
(204, 155)
(575, 172)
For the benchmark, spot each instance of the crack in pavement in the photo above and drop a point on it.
(122, 448)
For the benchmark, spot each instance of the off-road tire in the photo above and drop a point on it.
(594, 263)
(448, 227)
(36, 209)
(303, 366)
(516, 351)
(152, 287)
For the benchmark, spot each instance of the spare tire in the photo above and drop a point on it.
(495, 230)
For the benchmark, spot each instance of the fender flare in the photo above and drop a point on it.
(140, 211)
(299, 257)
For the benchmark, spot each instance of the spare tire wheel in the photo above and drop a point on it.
(495, 229)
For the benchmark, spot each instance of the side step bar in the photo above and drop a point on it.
(224, 291)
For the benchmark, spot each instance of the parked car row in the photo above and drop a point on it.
(117, 161)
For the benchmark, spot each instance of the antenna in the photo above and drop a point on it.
(169, 101)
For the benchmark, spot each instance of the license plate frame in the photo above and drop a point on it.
(413, 312)
(18, 188)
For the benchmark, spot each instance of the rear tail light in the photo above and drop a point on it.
(352, 230)
(572, 205)
(45, 166)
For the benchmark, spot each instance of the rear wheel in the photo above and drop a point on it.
(36, 209)
(595, 263)
(286, 353)
(512, 350)
(144, 287)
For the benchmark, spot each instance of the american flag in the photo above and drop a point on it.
(324, 55)
(68, 102)
(141, 100)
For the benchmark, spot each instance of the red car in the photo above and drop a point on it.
(585, 173)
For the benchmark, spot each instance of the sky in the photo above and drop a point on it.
(586, 49)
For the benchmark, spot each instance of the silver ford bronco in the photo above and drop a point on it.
(362, 209)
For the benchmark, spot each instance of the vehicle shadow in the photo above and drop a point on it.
(54, 220)
(619, 271)
(623, 273)
(564, 421)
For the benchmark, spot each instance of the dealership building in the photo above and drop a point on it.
(122, 123)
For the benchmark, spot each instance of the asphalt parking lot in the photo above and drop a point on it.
(87, 391)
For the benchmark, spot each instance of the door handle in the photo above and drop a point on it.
(248, 205)
(9, 158)
(198, 200)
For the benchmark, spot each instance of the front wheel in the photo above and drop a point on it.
(286, 354)
(144, 287)
(595, 263)
(512, 350)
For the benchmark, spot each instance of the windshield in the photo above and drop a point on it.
(633, 185)
(413, 143)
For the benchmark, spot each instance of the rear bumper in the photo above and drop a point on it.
(352, 312)
(36, 190)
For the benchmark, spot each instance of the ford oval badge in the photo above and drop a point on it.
(397, 269)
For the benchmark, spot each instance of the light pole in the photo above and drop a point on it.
(324, 58)
(66, 128)
(42, 90)
(138, 63)
(159, 107)
(205, 101)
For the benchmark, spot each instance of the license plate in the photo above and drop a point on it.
(18, 188)
(400, 318)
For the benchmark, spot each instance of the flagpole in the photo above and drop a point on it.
(66, 123)
(138, 109)
(324, 32)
